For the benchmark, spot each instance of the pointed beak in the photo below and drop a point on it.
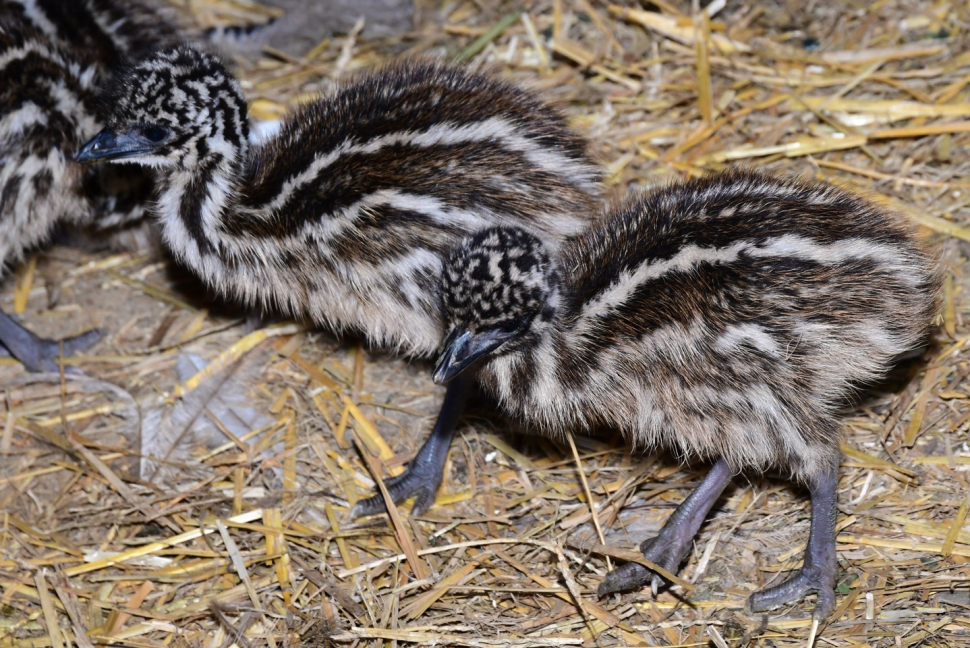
(462, 349)
(108, 145)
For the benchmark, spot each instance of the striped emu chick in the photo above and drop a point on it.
(725, 318)
(47, 109)
(346, 216)
(97, 36)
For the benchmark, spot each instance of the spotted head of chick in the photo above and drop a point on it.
(729, 318)
(495, 286)
(180, 109)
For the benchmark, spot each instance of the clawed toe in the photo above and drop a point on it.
(626, 577)
(40, 354)
(675, 539)
(793, 590)
(631, 576)
(370, 506)
(424, 475)
(820, 568)
(80, 342)
(414, 482)
(43, 354)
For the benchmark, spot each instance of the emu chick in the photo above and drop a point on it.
(346, 216)
(727, 318)
(53, 54)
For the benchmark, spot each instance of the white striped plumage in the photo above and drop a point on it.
(345, 215)
(71, 45)
(606, 349)
(40, 121)
(729, 318)
(100, 33)
(52, 53)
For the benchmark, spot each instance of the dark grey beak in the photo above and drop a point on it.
(108, 145)
(463, 348)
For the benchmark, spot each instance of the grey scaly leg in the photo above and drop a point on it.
(819, 568)
(423, 477)
(673, 543)
(37, 353)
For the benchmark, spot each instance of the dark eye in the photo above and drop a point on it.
(154, 133)
(509, 326)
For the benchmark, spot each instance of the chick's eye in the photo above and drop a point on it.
(154, 133)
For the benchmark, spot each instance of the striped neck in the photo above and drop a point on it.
(195, 203)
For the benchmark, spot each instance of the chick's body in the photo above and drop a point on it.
(86, 41)
(404, 163)
(726, 317)
(42, 110)
(729, 317)
(346, 216)
(48, 74)
(101, 33)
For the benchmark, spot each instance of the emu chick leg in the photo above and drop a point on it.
(819, 568)
(426, 471)
(673, 543)
(37, 353)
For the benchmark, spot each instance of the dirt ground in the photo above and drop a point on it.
(240, 533)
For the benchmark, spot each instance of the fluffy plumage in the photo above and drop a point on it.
(728, 318)
(52, 53)
(100, 33)
(345, 216)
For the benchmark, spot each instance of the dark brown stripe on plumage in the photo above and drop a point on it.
(661, 224)
(523, 375)
(384, 233)
(9, 191)
(75, 25)
(396, 100)
(193, 199)
(463, 178)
